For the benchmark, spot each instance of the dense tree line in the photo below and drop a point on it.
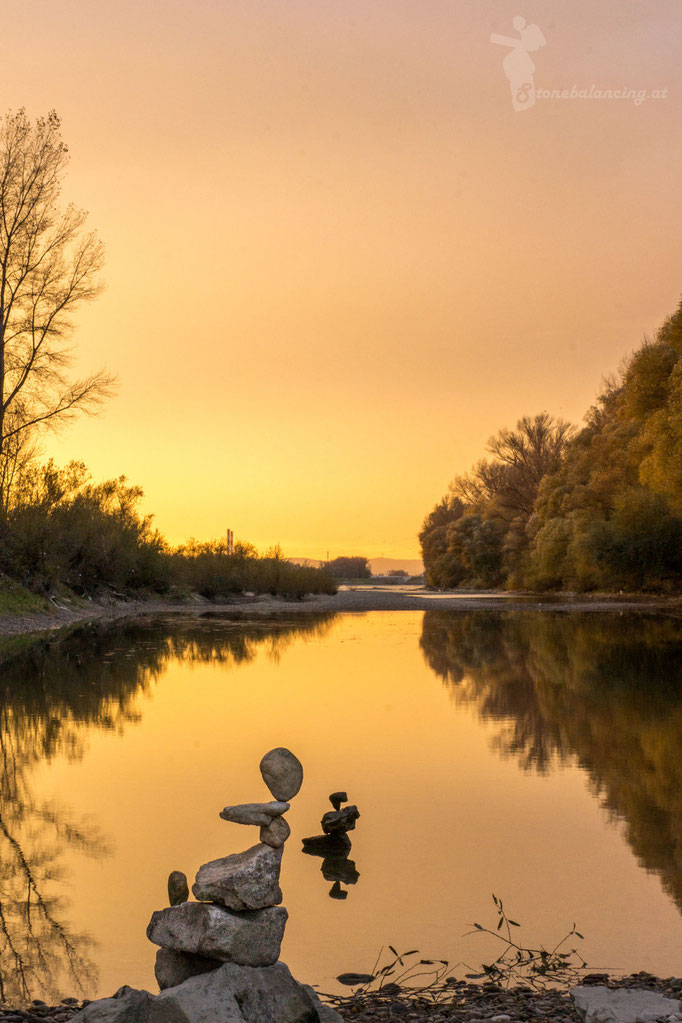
(594, 509)
(60, 531)
(349, 568)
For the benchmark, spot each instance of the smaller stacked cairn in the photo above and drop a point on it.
(334, 845)
(218, 956)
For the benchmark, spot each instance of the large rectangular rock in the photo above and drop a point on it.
(202, 928)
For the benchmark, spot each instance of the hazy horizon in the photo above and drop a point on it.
(338, 260)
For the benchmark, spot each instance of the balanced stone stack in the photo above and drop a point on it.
(334, 845)
(218, 956)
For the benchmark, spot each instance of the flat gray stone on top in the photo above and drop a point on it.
(127, 1006)
(282, 772)
(624, 1005)
(260, 814)
(250, 939)
(269, 995)
(245, 880)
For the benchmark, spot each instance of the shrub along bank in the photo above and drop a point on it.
(60, 531)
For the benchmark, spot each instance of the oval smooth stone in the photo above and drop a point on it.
(282, 772)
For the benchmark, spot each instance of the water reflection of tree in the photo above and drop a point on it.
(603, 690)
(51, 694)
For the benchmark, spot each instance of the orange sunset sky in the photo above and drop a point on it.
(337, 258)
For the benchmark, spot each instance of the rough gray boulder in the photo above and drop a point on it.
(250, 939)
(173, 968)
(260, 814)
(282, 772)
(246, 880)
(127, 1006)
(178, 889)
(276, 833)
(237, 994)
(624, 1005)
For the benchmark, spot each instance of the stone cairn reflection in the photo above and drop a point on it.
(218, 956)
(334, 845)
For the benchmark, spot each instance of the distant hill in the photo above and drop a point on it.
(379, 566)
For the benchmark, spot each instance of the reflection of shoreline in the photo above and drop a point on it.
(52, 694)
(603, 692)
(350, 599)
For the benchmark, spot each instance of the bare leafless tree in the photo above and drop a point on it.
(49, 265)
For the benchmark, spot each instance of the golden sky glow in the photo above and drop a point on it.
(337, 259)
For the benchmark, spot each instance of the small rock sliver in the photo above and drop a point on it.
(218, 956)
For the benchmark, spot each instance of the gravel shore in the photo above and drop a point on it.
(487, 1003)
(349, 599)
(461, 1003)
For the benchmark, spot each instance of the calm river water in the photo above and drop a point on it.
(537, 755)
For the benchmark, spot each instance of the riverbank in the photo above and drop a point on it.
(463, 1003)
(64, 613)
(487, 1003)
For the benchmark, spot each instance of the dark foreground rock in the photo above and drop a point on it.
(228, 994)
(127, 1006)
(237, 994)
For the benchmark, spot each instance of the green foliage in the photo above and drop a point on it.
(476, 536)
(349, 568)
(17, 600)
(601, 510)
(61, 530)
(439, 568)
(611, 516)
(208, 569)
